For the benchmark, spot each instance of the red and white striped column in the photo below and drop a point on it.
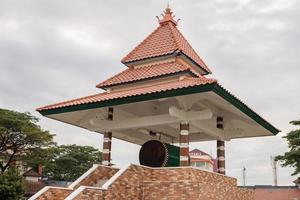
(106, 153)
(184, 144)
(220, 149)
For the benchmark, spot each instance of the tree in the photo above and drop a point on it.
(292, 157)
(19, 136)
(65, 162)
(11, 185)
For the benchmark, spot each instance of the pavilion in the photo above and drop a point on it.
(164, 94)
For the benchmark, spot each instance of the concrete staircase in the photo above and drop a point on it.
(140, 182)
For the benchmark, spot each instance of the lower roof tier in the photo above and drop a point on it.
(139, 112)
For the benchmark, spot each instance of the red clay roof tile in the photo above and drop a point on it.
(32, 173)
(164, 40)
(145, 72)
(187, 82)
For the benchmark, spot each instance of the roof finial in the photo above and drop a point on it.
(168, 9)
(167, 16)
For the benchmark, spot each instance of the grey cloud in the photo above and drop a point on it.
(57, 50)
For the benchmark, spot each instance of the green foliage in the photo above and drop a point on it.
(65, 162)
(21, 139)
(20, 135)
(11, 185)
(292, 157)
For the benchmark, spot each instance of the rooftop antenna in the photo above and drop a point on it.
(244, 176)
(274, 167)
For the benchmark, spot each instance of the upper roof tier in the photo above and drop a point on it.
(165, 40)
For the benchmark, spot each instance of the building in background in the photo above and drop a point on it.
(33, 181)
(269, 192)
(203, 160)
(33, 175)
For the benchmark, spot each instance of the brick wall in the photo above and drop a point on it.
(276, 193)
(190, 183)
(128, 185)
(98, 176)
(139, 182)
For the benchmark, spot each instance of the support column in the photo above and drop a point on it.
(106, 153)
(221, 156)
(184, 144)
(220, 149)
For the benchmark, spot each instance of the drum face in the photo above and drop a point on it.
(153, 154)
(157, 154)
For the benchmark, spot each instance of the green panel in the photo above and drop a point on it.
(131, 99)
(219, 90)
(173, 156)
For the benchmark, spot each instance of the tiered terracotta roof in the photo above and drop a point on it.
(151, 71)
(165, 40)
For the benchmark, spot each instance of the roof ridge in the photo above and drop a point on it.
(142, 42)
(180, 46)
(185, 40)
(105, 80)
(170, 25)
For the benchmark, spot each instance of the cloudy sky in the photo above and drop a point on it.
(57, 50)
